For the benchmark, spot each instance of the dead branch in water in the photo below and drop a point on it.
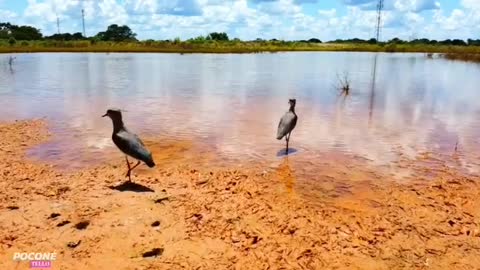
(343, 84)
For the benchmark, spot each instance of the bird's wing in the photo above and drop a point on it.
(286, 125)
(131, 145)
(138, 139)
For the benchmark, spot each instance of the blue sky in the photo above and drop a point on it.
(251, 19)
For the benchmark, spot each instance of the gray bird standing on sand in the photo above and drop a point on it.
(128, 142)
(287, 123)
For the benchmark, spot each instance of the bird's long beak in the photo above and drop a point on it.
(104, 115)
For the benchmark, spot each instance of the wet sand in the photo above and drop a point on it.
(197, 215)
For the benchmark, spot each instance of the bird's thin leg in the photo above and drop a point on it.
(138, 163)
(129, 170)
(287, 138)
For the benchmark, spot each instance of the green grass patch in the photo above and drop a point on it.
(470, 53)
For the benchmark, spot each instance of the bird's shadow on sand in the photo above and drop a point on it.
(131, 186)
(283, 152)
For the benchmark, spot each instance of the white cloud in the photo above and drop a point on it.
(415, 5)
(398, 5)
(452, 22)
(113, 12)
(173, 7)
(280, 7)
(7, 15)
(471, 4)
(42, 10)
(250, 19)
(327, 13)
(462, 22)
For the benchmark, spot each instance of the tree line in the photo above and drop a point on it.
(119, 33)
(422, 41)
(14, 32)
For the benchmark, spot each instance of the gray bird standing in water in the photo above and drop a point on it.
(128, 142)
(287, 123)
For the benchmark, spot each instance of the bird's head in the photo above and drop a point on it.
(114, 114)
(292, 102)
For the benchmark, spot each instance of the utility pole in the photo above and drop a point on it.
(83, 22)
(379, 18)
(58, 25)
(372, 90)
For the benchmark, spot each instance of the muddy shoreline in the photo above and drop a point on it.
(184, 216)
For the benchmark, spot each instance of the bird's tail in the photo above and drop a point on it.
(150, 163)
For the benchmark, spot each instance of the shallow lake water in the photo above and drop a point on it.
(399, 105)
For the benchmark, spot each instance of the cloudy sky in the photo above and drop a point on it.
(251, 19)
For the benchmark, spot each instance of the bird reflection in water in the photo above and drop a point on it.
(11, 59)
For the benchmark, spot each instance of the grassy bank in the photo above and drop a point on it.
(230, 47)
(469, 57)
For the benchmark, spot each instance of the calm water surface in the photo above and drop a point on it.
(399, 104)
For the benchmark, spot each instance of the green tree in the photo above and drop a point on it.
(117, 33)
(149, 42)
(21, 32)
(12, 41)
(446, 42)
(4, 34)
(5, 30)
(314, 40)
(473, 42)
(459, 42)
(199, 39)
(24, 32)
(218, 36)
(396, 41)
(66, 36)
(77, 36)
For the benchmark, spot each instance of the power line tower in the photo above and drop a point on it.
(379, 18)
(83, 22)
(58, 25)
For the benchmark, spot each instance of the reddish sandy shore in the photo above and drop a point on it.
(202, 217)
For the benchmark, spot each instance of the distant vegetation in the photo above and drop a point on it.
(116, 33)
(469, 57)
(11, 31)
(115, 38)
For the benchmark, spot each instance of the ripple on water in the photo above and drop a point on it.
(228, 106)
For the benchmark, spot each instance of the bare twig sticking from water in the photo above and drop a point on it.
(343, 84)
